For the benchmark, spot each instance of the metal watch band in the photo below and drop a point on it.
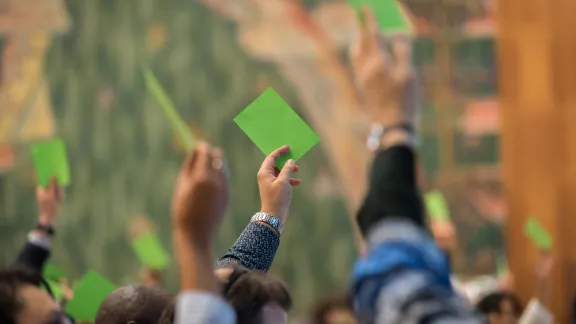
(378, 131)
(270, 220)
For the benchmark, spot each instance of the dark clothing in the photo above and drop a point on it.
(33, 256)
(254, 249)
(393, 189)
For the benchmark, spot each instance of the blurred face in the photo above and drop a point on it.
(340, 316)
(272, 313)
(39, 307)
(507, 314)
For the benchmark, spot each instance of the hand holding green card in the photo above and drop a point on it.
(150, 251)
(437, 206)
(538, 234)
(89, 293)
(388, 13)
(50, 161)
(179, 127)
(270, 123)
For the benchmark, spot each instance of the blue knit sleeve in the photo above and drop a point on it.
(255, 248)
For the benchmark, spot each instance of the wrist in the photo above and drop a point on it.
(282, 215)
(46, 219)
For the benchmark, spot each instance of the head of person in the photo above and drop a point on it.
(133, 304)
(500, 308)
(22, 301)
(335, 310)
(167, 316)
(257, 298)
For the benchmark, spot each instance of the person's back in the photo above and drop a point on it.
(135, 303)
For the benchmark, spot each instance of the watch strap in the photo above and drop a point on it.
(46, 229)
(270, 220)
(378, 131)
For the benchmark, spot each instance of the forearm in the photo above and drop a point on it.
(393, 189)
(36, 251)
(254, 249)
(194, 262)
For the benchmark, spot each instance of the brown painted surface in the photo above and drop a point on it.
(536, 51)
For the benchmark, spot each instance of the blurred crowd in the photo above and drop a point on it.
(403, 273)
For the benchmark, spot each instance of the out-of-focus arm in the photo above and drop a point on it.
(36, 251)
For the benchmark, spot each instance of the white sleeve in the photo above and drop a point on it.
(197, 307)
(536, 313)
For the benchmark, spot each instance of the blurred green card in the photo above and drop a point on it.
(150, 251)
(50, 161)
(501, 265)
(538, 234)
(270, 123)
(56, 288)
(390, 16)
(179, 127)
(89, 292)
(437, 206)
(53, 272)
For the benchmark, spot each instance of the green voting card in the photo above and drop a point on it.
(56, 288)
(53, 272)
(50, 161)
(538, 234)
(89, 292)
(179, 127)
(501, 265)
(270, 123)
(150, 251)
(437, 206)
(389, 15)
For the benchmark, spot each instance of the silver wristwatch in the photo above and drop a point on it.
(377, 131)
(270, 220)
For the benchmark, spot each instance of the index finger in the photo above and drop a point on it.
(270, 161)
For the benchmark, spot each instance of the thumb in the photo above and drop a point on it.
(286, 172)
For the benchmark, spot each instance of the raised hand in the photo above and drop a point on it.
(49, 200)
(200, 194)
(386, 81)
(276, 185)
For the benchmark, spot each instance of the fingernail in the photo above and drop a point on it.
(290, 162)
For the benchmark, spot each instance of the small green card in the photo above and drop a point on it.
(270, 123)
(501, 265)
(150, 251)
(89, 292)
(50, 161)
(56, 288)
(436, 205)
(390, 16)
(538, 234)
(53, 272)
(179, 127)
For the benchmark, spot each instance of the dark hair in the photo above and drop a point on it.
(251, 290)
(11, 279)
(167, 316)
(492, 303)
(325, 306)
(138, 303)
